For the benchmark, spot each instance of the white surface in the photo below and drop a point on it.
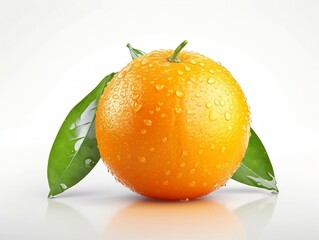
(53, 52)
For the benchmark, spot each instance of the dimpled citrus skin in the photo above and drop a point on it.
(172, 130)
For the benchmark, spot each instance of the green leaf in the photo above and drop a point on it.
(256, 169)
(135, 53)
(74, 152)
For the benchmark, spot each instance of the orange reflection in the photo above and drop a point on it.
(199, 219)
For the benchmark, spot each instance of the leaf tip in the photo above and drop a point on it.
(275, 190)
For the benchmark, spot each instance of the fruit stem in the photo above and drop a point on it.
(174, 57)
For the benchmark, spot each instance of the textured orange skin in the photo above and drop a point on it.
(173, 130)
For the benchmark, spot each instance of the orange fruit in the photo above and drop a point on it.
(173, 130)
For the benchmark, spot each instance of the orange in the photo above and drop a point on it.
(173, 130)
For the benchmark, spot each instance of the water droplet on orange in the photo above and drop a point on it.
(223, 149)
(178, 110)
(184, 153)
(190, 112)
(179, 93)
(148, 122)
(227, 116)
(135, 96)
(142, 159)
(143, 131)
(209, 105)
(137, 107)
(159, 86)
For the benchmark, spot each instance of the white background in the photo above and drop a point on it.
(52, 53)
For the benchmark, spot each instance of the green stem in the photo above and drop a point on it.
(174, 57)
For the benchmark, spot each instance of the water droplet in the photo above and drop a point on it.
(157, 109)
(148, 122)
(150, 65)
(180, 72)
(182, 164)
(192, 171)
(143, 131)
(135, 96)
(222, 102)
(178, 110)
(88, 162)
(170, 90)
(244, 127)
(229, 127)
(167, 172)
(211, 71)
(137, 107)
(160, 103)
(227, 116)
(78, 144)
(115, 96)
(121, 74)
(202, 64)
(198, 95)
(209, 105)
(152, 149)
(189, 120)
(184, 153)
(223, 149)
(190, 112)
(218, 165)
(216, 102)
(212, 116)
(179, 93)
(212, 146)
(159, 86)
(200, 151)
(164, 139)
(165, 183)
(187, 68)
(163, 115)
(142, 159)
(63, 186)
(192, 61)
(211, 81)
(192, 184)
(227, 92)
(151, 112)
